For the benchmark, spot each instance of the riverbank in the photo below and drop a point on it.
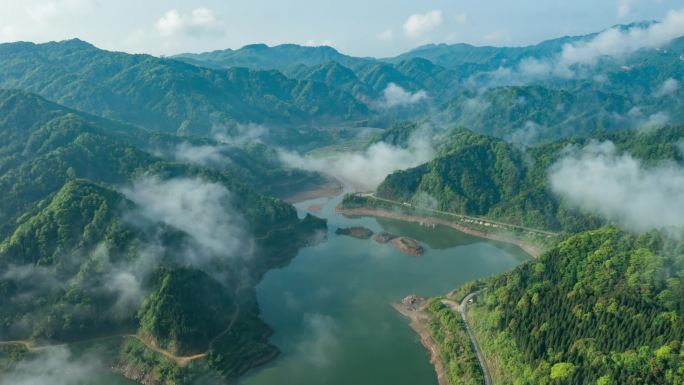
(529, 248)
(414, 309)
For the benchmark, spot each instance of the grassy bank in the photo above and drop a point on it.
(448, 331)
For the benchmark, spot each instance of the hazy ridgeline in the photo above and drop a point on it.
(142, 195)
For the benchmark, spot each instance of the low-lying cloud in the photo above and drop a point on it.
(617, 42)
(597, 179)
(55, 366)
(239, 134)
(668, 87)
(205, 155)
(396, 96)
(199, 208)
(364, 170)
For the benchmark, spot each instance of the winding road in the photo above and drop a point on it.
(179, 360)
(480, 356)
(489, 222)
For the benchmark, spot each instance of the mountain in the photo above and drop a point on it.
(602, 307)
(279, 57)
(103, 235)
(168, 95)
(470, 58)
(480, 175)
(532, 114)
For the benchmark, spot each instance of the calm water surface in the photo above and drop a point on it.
(330, 308)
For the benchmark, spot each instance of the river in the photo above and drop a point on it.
(330, 307)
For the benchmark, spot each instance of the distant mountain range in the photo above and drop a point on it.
(288, 87)
(131, 181)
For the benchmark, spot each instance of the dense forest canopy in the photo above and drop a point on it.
(142, 196)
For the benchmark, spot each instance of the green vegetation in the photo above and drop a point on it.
(448, 330)
(483, 176)
(10, 354)
(187, 309)
(80, 262)
(601, 307)
(164, 94)
(235, 353)
(143, 363)
(80, 259)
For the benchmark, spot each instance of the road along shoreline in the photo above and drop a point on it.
(528, 247)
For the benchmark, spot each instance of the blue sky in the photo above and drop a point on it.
(357, 27)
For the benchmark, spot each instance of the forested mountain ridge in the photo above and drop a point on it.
(280, 57)
(164, 94)
(515, 93)
(475, 174)
(600, 307)
(95, 238)
(603, 307)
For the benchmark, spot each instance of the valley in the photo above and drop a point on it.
(180, 211)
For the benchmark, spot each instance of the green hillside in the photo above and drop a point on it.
(602, 307)
(165, 94)
(479, 175)
(87, 261)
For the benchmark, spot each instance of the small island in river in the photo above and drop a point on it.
(408, 246)
(356, 232)
(384, 237)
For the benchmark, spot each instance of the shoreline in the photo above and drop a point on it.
(418, 320)
(532, 250)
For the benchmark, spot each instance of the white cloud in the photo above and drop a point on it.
(395, 96)
(637, 118)
(205, 155)
(386, 35)
(239, 134)
(317, 43)
(668, 87)
(597, 179)
(526, 135)
(364, 171)
(199, 208)
(624, 8)
(201, 21)
(418, 24)
(616, 42)
(461, 18)
(55, 366)
(126, 279)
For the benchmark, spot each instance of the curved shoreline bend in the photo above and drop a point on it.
(417, 316)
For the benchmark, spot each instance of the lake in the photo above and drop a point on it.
(330, 308)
